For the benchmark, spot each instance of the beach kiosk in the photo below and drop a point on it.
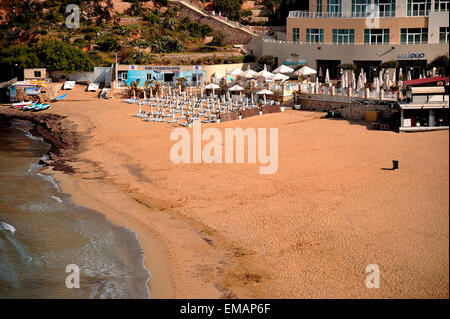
(426, 107)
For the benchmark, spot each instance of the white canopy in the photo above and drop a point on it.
(280, 77)
(283, 69)
(248, 74)
(264, 74)
(264, 92)
(236, 88)
(212, 86)
(305, 71)
(235, 71)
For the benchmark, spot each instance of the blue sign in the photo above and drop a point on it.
(12, 93)
(33, 91)
(410, 56)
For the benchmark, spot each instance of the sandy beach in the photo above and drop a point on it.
(226, 231)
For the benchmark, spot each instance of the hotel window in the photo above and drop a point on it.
(314, 35)
(412, 36)
(386, 8)
(122, 75)
(295, 34)
(418, 7)
(37, 74)
(443, 34)
(440, 5)
(319, 6)
(376, 36)
(343, 36)
(334, 7)
(360, 8)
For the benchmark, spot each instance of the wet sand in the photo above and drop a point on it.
(308, 231)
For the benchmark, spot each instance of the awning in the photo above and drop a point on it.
(427, 80)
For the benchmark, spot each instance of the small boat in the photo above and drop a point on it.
(41, 107)
(69, 85)
(20, 105)
(60, 97)
(31, 107)
(93, 87)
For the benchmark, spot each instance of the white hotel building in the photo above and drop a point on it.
(363, 32)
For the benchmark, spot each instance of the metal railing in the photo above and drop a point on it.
(343, 15)
(223, 19)
(266, 40)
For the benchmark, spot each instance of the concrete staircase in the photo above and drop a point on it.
(222, 20)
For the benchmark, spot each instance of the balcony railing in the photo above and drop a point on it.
(325, 15)
(418, 13)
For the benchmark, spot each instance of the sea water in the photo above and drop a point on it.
(42, 232)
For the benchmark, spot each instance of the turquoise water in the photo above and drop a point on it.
(42, 232)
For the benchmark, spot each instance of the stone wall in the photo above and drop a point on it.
(232, 116)
(232, 35)
(48, 93)
(349, 111)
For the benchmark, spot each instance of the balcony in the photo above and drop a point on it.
(343, 15)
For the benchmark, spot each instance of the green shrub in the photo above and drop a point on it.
(108, 44)
(166, 44)
(347, 66)
(218, 38)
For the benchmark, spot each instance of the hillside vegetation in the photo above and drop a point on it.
(35, 35)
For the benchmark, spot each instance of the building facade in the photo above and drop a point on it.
(195, 75)
(365, 33)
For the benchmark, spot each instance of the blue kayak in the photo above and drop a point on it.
(60, 97)
(41, 107)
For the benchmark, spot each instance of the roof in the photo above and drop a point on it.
(426, 80)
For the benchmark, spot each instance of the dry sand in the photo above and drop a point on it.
(308, 231)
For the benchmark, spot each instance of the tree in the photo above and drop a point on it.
(53, 55)
(269, 60)
(218, 38)
(228, 8)
(441, 64)
(108, 44)
(182, 83)
(133, 88)
(280, 9)
(59, 56)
